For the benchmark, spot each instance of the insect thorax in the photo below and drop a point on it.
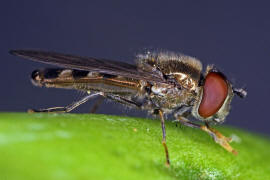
(183, 72)
(184, 69)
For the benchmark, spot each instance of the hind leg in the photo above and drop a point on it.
(67, 108)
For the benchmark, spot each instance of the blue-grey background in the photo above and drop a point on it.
(234, 35)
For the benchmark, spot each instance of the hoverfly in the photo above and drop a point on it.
(161, 83)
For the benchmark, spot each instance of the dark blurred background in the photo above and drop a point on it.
(234, 36)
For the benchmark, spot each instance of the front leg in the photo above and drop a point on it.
(217, 136)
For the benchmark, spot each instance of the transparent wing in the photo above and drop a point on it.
(88, 64)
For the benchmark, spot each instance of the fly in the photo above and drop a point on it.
(161, 83)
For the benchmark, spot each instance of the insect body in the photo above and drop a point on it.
(161, 83)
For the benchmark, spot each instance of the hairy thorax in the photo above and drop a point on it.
(181, 73)
(170, 98)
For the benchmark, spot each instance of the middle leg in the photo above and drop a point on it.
(164, 137)
(97, 104)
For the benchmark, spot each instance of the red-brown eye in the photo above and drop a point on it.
(215, 91)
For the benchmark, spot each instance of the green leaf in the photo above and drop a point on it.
(90, 146)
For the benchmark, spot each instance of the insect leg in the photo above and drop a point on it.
(97, 104)
(66, 108)
(217, 136)
(164, 137)
(123, 100)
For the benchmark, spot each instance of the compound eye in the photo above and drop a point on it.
(215, 91)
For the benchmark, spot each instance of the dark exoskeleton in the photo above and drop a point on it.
(161, 83)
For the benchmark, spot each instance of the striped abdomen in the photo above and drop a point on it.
(84, 80)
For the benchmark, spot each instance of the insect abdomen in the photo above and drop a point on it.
(45, 77)
(83, 80)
